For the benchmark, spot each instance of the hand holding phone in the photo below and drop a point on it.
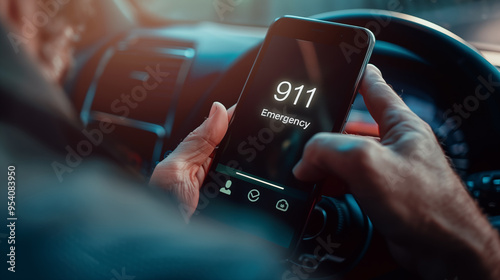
(302, 82)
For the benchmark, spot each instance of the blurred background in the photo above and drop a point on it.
(263, 12)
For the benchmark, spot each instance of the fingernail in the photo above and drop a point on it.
(213, 110)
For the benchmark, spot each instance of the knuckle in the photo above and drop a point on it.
(169, 173)
(393, 117)
(176, 166)
(173, 165)
(197, 136)
(380, 84)
(314, 147)
(364, 154)
(318, 148)
(406, 120)
(319, 139)
(411, 129)
(418, 131)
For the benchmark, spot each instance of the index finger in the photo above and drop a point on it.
(385, 106)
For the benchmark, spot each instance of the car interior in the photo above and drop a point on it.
(441, 57)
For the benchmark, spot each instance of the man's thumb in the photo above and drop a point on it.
(199, 144)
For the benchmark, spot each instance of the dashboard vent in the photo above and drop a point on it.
(135, 89)
(139, 86)
(140, 80)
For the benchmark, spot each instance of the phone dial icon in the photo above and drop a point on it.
(226, 190)
(282, 205)
(253, 195)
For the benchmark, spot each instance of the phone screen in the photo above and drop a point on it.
(297, 88)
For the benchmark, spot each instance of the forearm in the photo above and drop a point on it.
(473, 247)
(493, 256)
(485, 261)
(456, 241)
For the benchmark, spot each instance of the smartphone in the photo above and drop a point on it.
(303, 81)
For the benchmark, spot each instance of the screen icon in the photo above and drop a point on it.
(226, 190)
(253, 195)
(282, 205)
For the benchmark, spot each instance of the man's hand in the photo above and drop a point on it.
(407, 187)
(184, 170)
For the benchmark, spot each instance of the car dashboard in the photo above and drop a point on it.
(183, 68)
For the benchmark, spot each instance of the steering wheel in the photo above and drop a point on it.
(413, 54)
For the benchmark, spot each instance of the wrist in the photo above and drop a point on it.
(490, 257)
(479, 258)
(467, 247)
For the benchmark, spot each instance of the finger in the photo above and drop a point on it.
(230, 111)
(385, 106)
(345, 156)
(373, 138)
(199, 144)
(376, 138)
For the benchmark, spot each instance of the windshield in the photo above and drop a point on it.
(447, 13)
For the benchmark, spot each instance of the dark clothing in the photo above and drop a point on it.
(98, 220)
